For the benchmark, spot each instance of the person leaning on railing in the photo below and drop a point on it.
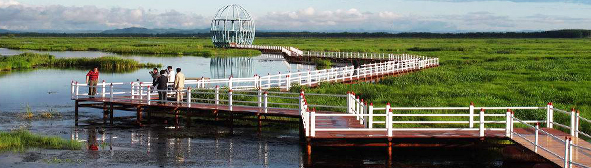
(92, 78)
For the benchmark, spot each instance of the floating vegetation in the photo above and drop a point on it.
(322, 64)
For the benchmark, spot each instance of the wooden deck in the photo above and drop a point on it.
(581, 156)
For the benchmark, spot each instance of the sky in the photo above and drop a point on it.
(302, 15)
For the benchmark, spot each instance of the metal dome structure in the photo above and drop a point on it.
(232, 25)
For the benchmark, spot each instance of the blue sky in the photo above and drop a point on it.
(302, 15)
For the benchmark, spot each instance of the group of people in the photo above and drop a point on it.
(160, 82)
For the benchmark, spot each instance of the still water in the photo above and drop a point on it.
(206, 144)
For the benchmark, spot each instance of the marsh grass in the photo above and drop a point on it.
(21, 140)
(32, 60)
(143, 46)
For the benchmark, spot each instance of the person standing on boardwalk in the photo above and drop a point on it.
(179, 84)
(92, 78)
(170, 74)
(161, 84)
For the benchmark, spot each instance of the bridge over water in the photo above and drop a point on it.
(353, 122)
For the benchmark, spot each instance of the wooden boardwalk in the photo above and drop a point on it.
(330, 126)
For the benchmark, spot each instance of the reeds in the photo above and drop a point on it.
(31, 60)
(20, 140)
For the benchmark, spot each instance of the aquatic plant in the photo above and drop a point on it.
(322, 64)
(20, 140)
(31, 60)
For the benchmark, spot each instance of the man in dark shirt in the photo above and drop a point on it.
(161, 85)
(92, 78)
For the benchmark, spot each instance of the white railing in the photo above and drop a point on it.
(307, 78)
(291, 51)
(367, 114)
(574, 123)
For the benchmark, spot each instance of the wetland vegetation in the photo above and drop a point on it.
(123, 45)
(20, 140)
(32, 60)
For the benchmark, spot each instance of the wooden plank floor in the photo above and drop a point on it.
(581, 156)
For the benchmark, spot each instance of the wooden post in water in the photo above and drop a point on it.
(139, 115)
(76, 112)
(111, 113)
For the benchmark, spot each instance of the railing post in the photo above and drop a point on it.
(578, 123)
(313, 123)
(111, 92)
(389, 122)
(188, 96)
(566, 151)
(549, 115)
(349, 106)
(570, 152)
(148, 97)
(77, 89)
(104, 89)
(265, 101)
(260, 97)
(508, 123)
(287, 82)
(537, 137)
(357, 101)
(512, 123)
(370, 112)
(230, 83)
(217, 94)
(471, 118)
(230, 99)
(132, 90)
(301, 102)
(573, 122)
(72, 89)
(481, 123)
(309, 81)
(360, 109)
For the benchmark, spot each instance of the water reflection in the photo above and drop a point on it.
(238, 67)
(204, 147)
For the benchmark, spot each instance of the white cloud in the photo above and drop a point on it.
(310, 19)
(19, 16)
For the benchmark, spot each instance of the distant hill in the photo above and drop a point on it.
(141, 30)
(5, 31)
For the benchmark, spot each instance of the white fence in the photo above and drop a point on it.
(291, 51)
(368, 115)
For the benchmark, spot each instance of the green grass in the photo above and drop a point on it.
(488, 72)
(149, 46)
(31, 60)
(21, 139)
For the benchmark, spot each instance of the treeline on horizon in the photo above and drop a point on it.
(567, 33)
